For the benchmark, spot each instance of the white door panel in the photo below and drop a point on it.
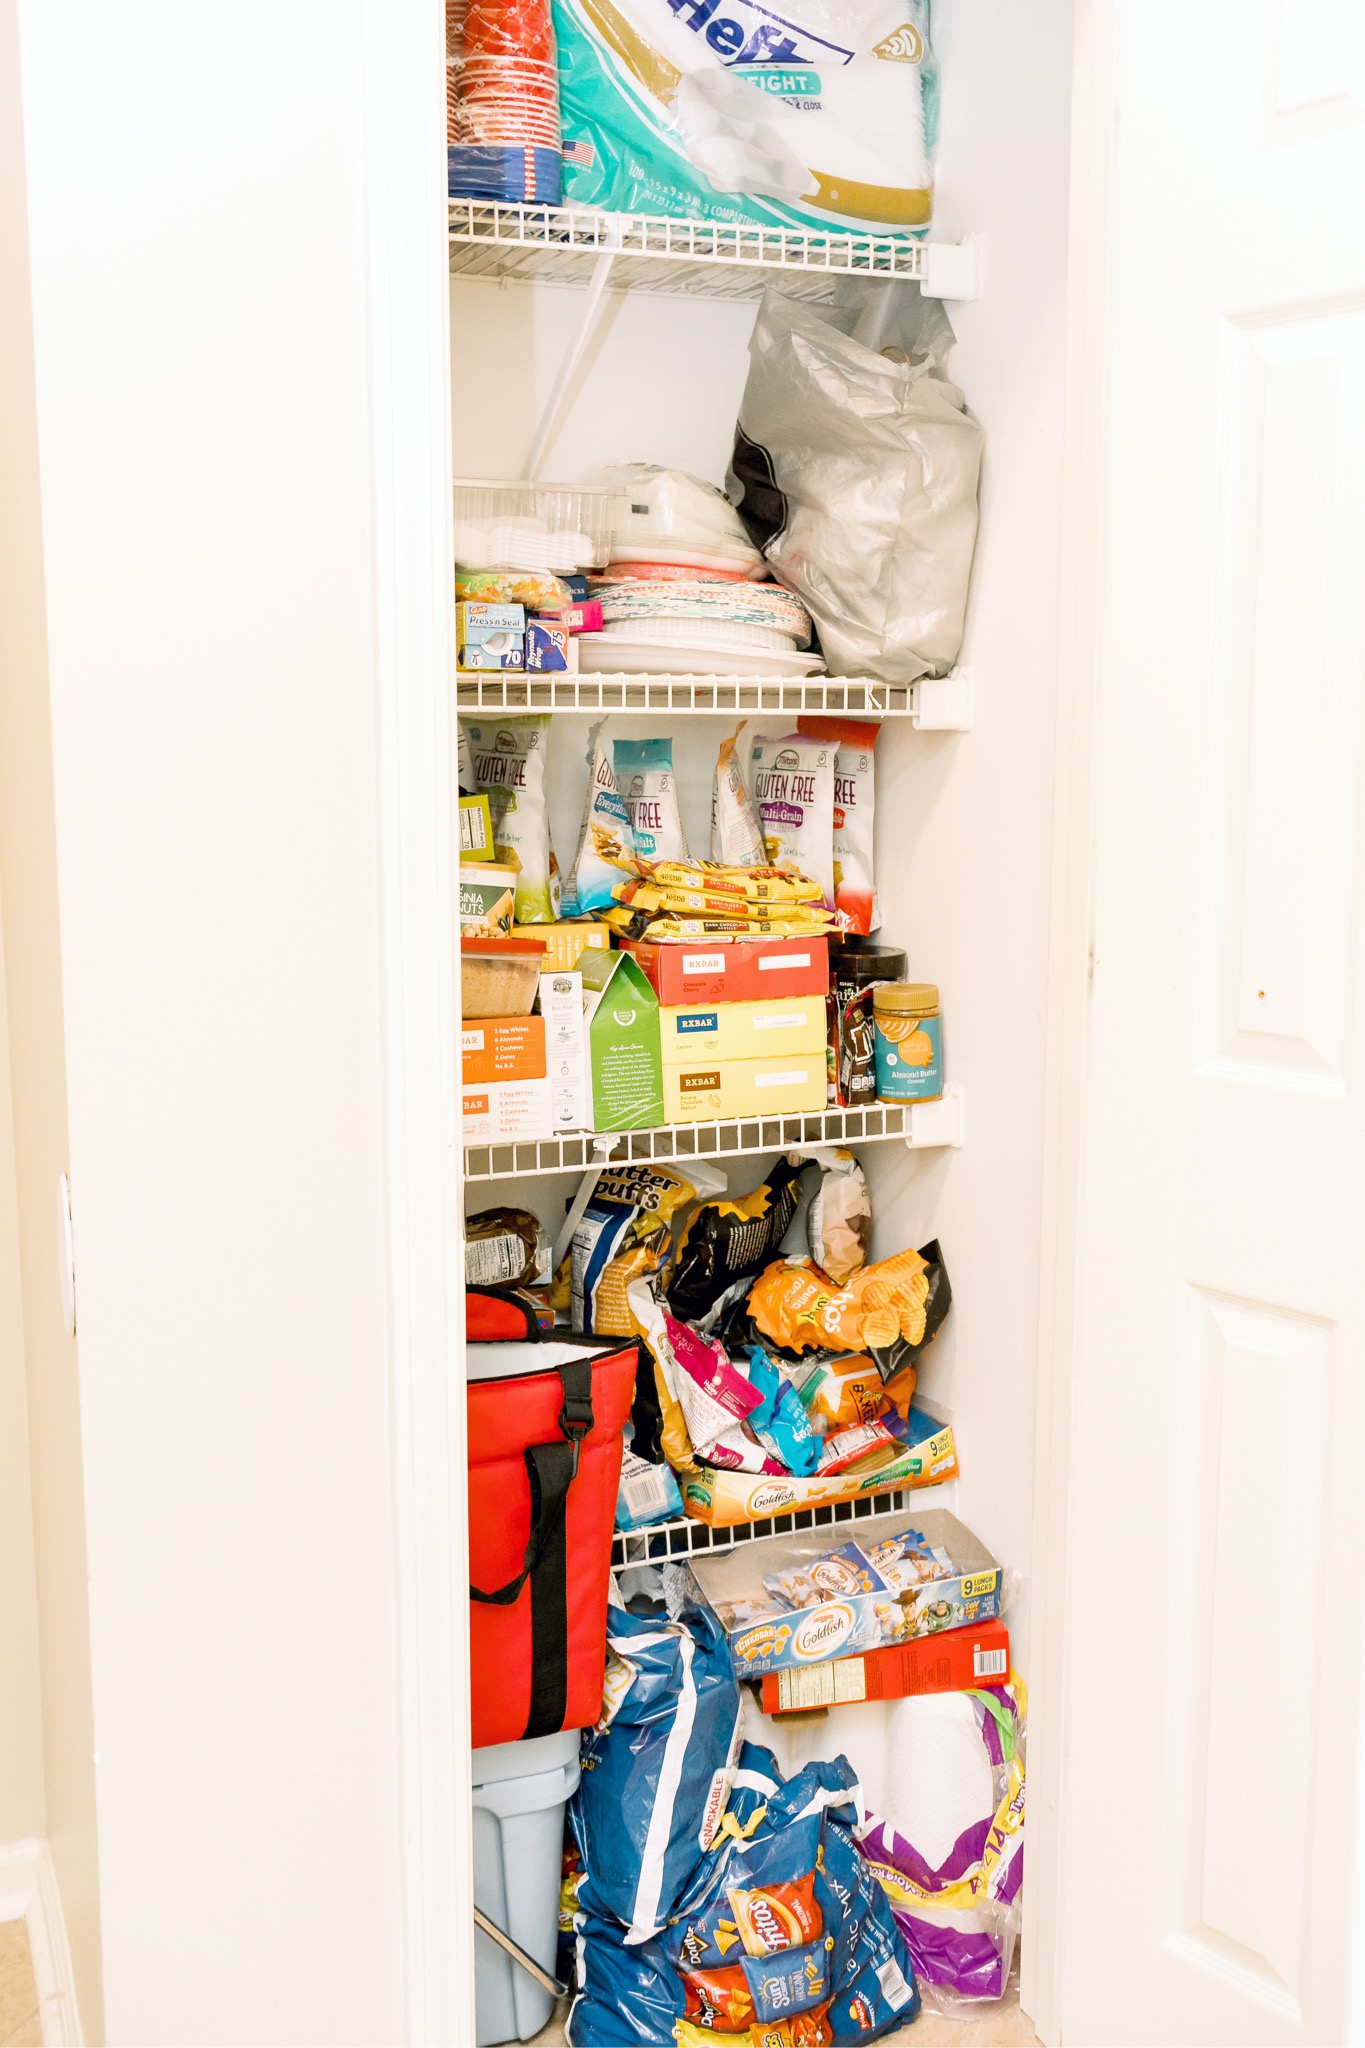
(1217, 1513)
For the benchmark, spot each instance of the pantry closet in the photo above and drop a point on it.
(964, 766)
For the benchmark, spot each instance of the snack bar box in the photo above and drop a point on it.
(958, 1660)
(565, 941)
(875, 1601)
(505, 1088)
(780, 1086)
(722, 1499)
(695, 1033)
(744, 971)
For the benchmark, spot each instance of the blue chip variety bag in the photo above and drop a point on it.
(657, 1769)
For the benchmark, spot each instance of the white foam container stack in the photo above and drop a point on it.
(561, 528)
(520, 1790)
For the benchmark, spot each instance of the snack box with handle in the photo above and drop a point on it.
(767, 1634)
(723, 1498)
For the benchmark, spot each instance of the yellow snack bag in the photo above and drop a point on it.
(893, 1308)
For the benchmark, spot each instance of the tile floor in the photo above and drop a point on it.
(20, 2026)
(1003, 2027)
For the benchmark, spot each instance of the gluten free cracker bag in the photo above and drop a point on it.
(508, 759)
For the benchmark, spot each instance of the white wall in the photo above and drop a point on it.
(198, 258)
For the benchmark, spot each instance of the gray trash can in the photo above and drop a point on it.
(520, 1792)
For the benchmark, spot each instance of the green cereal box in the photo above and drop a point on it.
(625, 1065)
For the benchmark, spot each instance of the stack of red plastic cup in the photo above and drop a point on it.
(508, 87)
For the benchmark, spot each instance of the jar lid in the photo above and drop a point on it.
(905, 995)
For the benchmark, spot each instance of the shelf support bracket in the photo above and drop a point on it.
(937, 1123)
(944, 703)
(952, 270)
(572, 357)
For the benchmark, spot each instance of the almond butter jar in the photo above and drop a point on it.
(909, 1041)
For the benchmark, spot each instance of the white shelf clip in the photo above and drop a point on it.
(944, 703)
(952, 270)
(938, 1123)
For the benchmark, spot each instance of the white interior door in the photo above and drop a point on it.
(1216, 1511)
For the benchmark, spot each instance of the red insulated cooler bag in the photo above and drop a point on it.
(545, 1433)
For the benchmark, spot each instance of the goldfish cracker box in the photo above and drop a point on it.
(801, 1599)
(721, 1497)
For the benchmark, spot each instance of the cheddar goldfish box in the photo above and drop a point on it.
(797, 1600)
(721, 1497)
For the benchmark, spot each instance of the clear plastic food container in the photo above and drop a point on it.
(564, 528)
(499, 977)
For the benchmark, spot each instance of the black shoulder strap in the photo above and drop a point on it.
(550, 1470)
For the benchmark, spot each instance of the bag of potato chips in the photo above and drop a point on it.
(606, 846)
(890, 1310)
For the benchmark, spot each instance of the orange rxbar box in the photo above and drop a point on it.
(502, 1049)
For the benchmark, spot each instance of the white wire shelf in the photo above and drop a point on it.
(663, 1542)
(934, 703)
(560, 245)
(919, 1125)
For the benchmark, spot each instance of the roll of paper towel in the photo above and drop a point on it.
(923, 1764)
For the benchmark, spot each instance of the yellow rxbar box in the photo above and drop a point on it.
(698, 1034)
(703, 1089)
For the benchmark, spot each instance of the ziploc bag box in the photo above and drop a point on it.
(621, 1018)
(790, 1084)
(696, 1032)
(722, 1499)
(746, 970)
(489, 635)
(929, 1572)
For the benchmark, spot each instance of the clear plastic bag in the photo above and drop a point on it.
(855, 469)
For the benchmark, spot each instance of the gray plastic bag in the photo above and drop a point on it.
(855, 470)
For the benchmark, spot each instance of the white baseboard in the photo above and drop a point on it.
(28, 1892)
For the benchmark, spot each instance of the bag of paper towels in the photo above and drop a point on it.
(942, 1780)
(824, 115)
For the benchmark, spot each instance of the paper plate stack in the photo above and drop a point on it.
(685, 589)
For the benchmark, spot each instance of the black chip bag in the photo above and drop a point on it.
(732, 1239)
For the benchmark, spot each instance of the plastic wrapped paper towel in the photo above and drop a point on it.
(823, 115)
(942, 1781)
